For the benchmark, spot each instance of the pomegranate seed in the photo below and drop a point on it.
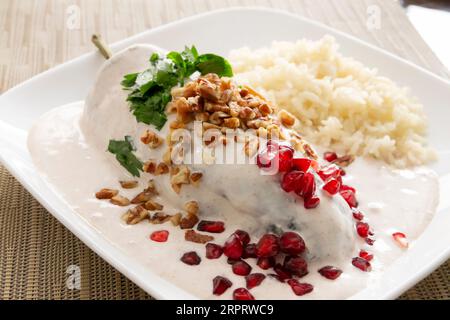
(282, 273)
(370, 241)
(332, 186)
(329, 171)
(362, 229)
(311, 203)
(361, 264)
(400, 238)
(191, 258)
(254, 280)
(220, 285)
(342, 172)
(266, 263)
(307, 186)
(242, 294)
(211, 226)
(233, 247)
(330, 272)
(241, 268)
(291, 180)
(300, 289)
(243, 236)
(357, 214)
(346, 187)
(285, 159)
(213, 251)
(296, 265)
(349, 197)
(365, 255)
(160, 236)
(330, 156)
(249, 251)
(292, 243)
(267, 246)
(301, 164)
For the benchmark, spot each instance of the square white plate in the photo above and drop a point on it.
(20, 107)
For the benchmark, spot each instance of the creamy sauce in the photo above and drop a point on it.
(68, 147)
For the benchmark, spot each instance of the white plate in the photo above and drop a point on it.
(69, 82)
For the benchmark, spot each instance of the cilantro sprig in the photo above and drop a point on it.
(150, 89)
(123, 149)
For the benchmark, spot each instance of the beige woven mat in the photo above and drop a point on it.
(35, 249)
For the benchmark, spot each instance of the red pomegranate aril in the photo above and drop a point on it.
(211, 226)
(233, 247)
(243, 236)
(191, 258)
(299, 288)
(220, 285)
(285, 159)
(332, 186)
(241, 268)
(342, 172)
(232, 261)
(254, 280)
(311, 203)
(401, 240)
(160, 236)
(346, 187)
(292, 243)
(301, 164)
(213, 251)
(365, 255)
(361, 264)
(307, 186)
(349, 197)
(362, 229)
(329, 171)
(242, 294)
(296, 265)
(357, 214)
(249, 251)
(267, 246)
(330, 272)
(266, 263)
(330, 156)
(291, 180)
(282, 273)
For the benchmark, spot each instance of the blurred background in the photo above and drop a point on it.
(431, 18)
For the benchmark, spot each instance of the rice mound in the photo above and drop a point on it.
(341, 104)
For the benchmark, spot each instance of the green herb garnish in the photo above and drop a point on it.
(123, 149)
(150, 89)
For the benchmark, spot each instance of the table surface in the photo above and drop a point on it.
(36, 251)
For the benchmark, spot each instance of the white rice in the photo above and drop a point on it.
(342, 105)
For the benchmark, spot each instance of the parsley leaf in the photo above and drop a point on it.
(211, 63)
(123, 149)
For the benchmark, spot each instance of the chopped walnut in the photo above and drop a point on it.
(191, 207)
(232, 123)
(135, 215)
(310, 151)
(193, 236)
(195, 177)
(151, 139)
(142, 197)
(182, 175)
(153, 205)
(161, 168)
(159, 218)
(189, 221)
(130, 184)
(106, 193)
(150, 166)
(119, 200)
(286, 118)
(175, 219)
(176, 188)
(344, 161)
(251, 147)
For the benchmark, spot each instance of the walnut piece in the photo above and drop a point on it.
(193, 236)
(153, 205)
(106, 193)
(191, 207)
(119, 200)
(129, 184)
(189, 221)
(159, 218)
(135, 215)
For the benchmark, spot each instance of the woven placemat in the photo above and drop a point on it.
(37, 252)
